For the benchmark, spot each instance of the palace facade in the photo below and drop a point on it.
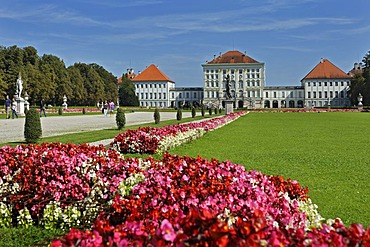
(324, 85)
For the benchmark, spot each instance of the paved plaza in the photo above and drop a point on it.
(12, 130)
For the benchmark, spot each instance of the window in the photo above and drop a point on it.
(331, 94)
(283, 94)
(336, 83)
(155, 85)
(320, 94)
(267, 94)
(325, 84)
(320, 83)
(155, 95)
(164, 95)
(187, 95)
(314, 84)
(331, 83)
(314, 94)
(180, 95)
(308, 94)
(195, 95)
(240, 84)
(173, 95)
(142, 95)
(326, 94)
(308, 84)
(146, 95)
(342, 83)
(159, 96)
(274, 94)
(151, 96)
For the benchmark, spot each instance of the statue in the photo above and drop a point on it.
(228, 86)
(19, 86)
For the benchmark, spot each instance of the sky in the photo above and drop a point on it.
(289, 36)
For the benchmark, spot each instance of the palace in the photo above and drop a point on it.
(324, 85)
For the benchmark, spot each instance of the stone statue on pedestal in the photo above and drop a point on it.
(228, 86)
(19, 86)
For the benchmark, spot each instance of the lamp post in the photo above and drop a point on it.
(359, 99)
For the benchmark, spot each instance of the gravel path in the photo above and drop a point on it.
(11, 130)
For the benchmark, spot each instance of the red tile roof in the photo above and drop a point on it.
(151, 73)
(326, 70)
(232, 57)
(130, 76)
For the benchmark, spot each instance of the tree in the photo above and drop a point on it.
(126, 92)
(360, 83)
(79, 92)
(59, 83)
(120, 118)
(110, 82)
(157, 116)
(32, 126)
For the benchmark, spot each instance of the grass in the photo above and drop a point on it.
(327, 152)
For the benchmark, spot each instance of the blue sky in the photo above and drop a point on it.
(289, 36)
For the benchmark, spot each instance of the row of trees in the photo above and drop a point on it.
(48, 77)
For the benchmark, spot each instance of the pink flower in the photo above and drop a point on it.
(167, 231)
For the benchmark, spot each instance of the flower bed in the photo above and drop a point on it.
(152, 140)
(59, 185)
(194, 202)
(176, 201)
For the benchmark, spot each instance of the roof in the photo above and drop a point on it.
(326, 70)
(130, 76)
(151, 73)
(232, 57)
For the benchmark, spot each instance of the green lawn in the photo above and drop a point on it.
(327, 152)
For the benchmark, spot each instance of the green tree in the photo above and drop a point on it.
(110, 82)
(120, 118)
(79, 92)
(360, 83)
(32, 126)
(55, 72)
(157, 116)
(126, 92)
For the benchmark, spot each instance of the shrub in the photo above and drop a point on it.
(32, 126)
(203, 111)
(157, 116)
(84, 111)
(210, 111)
(219, 110)
(179, 114)
(60, 111)
(120, 118)
(193, 112)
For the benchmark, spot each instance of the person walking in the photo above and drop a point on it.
(105, 108)
(111, 108)
(42, 107)
(7, 105)
(14, 108)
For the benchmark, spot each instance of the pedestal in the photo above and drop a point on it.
(20, 106)
(229, 107)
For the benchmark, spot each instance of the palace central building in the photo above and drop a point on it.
(247, 77)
